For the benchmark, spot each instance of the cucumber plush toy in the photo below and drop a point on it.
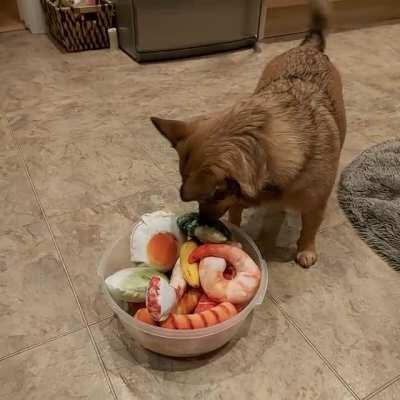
(206, 232)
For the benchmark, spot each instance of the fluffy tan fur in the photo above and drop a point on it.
(282, 144)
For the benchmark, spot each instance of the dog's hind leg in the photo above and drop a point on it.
(235, 215)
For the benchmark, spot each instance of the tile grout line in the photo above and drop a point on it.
(107, 317)
(52, 339)
(382, 388)
(66, 272)
(34, 346)
(314, 348)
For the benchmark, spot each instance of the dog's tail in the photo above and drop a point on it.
(319, 24)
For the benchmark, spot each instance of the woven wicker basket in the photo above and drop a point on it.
(80, 28)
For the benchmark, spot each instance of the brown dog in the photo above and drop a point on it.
(281, 144)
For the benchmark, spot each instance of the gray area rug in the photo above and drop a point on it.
(369, 194)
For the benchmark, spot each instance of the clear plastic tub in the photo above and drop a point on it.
(180, 343)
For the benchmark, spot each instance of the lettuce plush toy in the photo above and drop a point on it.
(130, 284)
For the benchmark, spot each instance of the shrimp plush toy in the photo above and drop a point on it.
(204, 304)
(214, 257)
(204, 319)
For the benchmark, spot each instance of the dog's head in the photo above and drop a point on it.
(215, 164)
(204, 178)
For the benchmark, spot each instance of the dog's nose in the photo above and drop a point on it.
(208, 212)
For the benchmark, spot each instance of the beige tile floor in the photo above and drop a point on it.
(79, 161)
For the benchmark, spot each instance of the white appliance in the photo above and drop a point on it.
(159, 29)
(31, 12)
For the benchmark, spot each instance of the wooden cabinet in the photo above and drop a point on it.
(286, 17)
(285, 3)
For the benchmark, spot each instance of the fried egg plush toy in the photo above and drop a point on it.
(156, 240)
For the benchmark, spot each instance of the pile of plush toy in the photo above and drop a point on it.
(75, 3)
(186, 273)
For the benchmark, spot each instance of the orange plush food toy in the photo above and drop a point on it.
(143, 315)
(134, 307)
(204, 319)
(188, 302)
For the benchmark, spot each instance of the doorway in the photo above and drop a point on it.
(9, 16)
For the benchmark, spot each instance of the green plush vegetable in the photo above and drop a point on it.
(187, 223)
(207, 232)
(130, 284)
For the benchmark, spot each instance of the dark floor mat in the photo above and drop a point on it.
(369, 194)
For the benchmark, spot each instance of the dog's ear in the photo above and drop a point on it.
(242, 181)
(202, 185)
(173, 130)
(247, 189)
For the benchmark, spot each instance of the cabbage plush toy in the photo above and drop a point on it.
(130, 284)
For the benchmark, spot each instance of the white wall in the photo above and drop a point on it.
(31, 12)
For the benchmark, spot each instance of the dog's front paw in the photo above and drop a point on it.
(306, 258)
